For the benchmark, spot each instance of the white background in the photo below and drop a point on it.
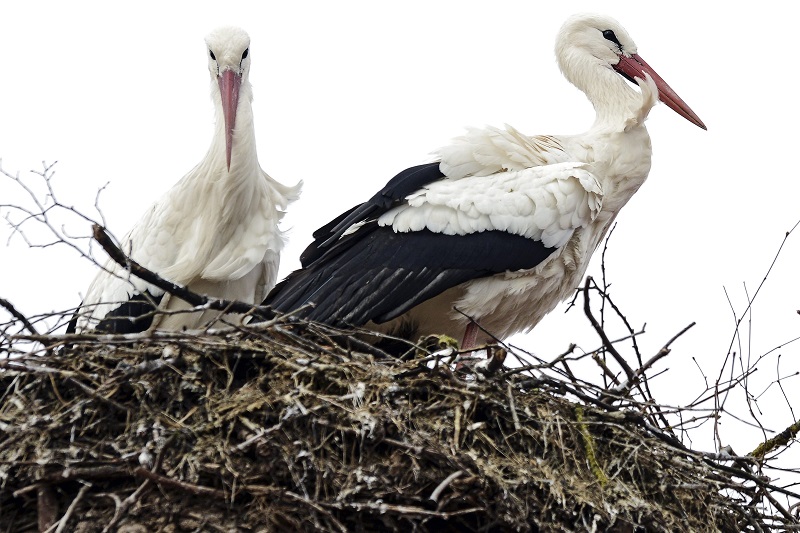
(348, 93)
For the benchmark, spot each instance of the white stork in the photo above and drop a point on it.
(215, 232)
(501, 228)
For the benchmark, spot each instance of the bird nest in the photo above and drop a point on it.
(297, 427)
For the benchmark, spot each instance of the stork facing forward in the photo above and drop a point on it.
(216, 231)
(501, 228)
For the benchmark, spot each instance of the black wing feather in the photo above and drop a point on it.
(376, 274)
(134, 316)
(394, 192)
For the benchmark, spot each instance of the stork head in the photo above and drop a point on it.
(589, 42)
(229, 64)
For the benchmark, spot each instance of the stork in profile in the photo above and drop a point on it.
(501, 228)
(215, 232)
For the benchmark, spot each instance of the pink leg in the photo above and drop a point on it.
(470, 336)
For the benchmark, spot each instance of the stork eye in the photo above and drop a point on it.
(608, 34)
(246, 53)
(212, 55)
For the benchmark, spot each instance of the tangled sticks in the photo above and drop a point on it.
(287, 427)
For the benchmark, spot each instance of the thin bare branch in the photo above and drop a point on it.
(19, 316)
(609, 346)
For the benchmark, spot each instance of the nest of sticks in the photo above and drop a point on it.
(299, 427)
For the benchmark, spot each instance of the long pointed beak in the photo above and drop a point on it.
(635, 67)
(229, 83)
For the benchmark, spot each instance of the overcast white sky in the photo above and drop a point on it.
(348, 93)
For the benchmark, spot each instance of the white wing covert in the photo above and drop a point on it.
(544, 203)
(489, 150)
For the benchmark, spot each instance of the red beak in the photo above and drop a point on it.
(229, 83)
(635, 67)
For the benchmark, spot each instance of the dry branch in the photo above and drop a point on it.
(19, 316)
(781, 439)
(607, 344)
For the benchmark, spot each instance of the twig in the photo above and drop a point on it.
(62, 524)
(444, 484)
(604, 367)
(102, 473)
(403, 509)
(513, 407)
(317, 508)
(781, 509)
(624, 388)
(97, 396)
(197, 490)
(738, 319)
(261, 433)
(599, 330)
(782, 439)
(123, 506)
(19, 316)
